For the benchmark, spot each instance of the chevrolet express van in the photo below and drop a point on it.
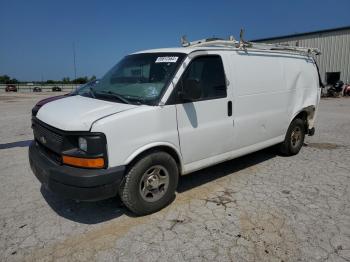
(159, 114)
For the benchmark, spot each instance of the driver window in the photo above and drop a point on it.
(209, 72)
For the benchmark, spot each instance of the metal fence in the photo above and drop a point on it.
(24, 88)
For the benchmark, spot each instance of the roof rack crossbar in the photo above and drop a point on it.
(216, 42)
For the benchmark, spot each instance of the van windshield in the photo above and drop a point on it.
(137, 79)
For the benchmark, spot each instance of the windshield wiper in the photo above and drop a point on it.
(114, 95)
(139, 100)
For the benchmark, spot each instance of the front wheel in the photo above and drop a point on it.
(294, 139)
(150, 183)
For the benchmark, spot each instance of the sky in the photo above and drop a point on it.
(37, 36)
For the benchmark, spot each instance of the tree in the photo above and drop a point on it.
(66, 80)
(13, 81)
(5, 79)
(80, 80)
(93, 78)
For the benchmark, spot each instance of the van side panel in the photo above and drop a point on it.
(261, 97)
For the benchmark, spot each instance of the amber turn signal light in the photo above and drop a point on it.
(84, 162)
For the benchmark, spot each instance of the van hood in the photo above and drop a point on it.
(78, 113)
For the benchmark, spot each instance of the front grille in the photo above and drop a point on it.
(47, 137)
(42, 131)
(50, 154)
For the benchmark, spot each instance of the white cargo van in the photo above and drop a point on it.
(159, 114)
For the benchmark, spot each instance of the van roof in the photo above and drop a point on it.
(188, 50)
(185, 50)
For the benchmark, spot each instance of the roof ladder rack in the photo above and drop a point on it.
(244, 45)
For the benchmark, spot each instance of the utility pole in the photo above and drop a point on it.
(75, 66)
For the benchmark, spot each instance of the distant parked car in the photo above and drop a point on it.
(56, 89)
(11, 88)
(37, 89)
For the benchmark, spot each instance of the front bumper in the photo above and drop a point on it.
(72, 182)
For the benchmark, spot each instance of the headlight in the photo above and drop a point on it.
(86, 149)
(83, 144)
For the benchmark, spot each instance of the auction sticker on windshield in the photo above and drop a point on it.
(167, 59)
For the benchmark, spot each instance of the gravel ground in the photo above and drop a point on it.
(261, 207)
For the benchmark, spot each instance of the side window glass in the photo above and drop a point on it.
(209, 72)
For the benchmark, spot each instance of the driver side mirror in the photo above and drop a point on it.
(191, 90)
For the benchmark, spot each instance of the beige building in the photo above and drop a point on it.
(334, 62)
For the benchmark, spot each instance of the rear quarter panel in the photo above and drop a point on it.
(302, 82)
(270, 89)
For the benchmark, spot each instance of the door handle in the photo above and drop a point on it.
(229, 108)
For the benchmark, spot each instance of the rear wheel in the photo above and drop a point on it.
(150, 183)
(294, 139)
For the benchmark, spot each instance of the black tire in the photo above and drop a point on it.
(130, 190)
(291, 146)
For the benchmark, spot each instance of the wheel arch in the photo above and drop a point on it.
(160, 146)
(307, 114)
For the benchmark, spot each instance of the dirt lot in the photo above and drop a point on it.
(261, 207)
